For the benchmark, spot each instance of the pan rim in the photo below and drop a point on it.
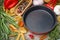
(45, 7)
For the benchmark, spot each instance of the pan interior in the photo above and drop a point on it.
(39, 21)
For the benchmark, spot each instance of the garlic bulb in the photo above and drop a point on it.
(38, 2)
(57, 9)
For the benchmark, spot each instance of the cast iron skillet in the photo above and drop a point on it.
(39, 19)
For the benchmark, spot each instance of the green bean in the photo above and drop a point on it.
(10, 20)
(5, 20)
(6, 37)
(5, 27)
(1, 26)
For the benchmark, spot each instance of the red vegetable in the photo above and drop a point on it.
(51, 4)
(10, 3)
(31, 36)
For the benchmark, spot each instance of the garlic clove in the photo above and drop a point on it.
(38, 2)
(57, 9)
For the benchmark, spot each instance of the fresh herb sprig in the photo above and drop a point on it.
(55, 34)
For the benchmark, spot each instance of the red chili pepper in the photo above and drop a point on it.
(10, 3)
(51, 4)
(31, 36)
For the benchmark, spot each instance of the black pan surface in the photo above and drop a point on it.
(39, 19)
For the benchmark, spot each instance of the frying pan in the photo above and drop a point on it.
(39, 19)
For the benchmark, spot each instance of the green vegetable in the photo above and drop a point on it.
(1, 2)
(55, 34)
(5, 20)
